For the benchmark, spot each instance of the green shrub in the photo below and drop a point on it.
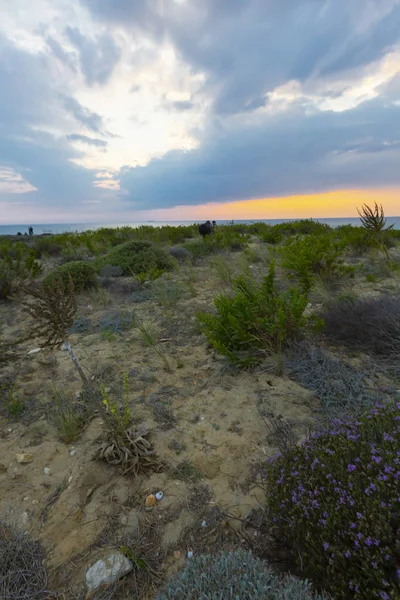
(136, 257)
(233, 576)
(83, 275)
(17, 263)
(307, 256)
(255, 320)
(354, 238)
(335, 501)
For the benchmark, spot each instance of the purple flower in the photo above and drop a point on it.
(368, 542)
(384, 596)
(326, 546)
(359, 516)
(347, 554)
(351, 468)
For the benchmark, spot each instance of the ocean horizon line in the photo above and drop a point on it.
(56, 228)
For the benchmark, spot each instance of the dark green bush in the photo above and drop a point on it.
(136, 257)
(233, 576)
(255, 320)
(83, 275)
(335, 501)
(307, 256)
(17, 263)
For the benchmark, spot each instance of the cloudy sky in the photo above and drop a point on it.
(122, 110)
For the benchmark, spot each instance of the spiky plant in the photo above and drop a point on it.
(374, 221)
(53, 311)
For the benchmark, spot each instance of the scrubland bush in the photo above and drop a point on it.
(335, 501)
(233, 575)
(17, 262)
(180, 253)
(136, 257)
(255, 319)
(340, 387)
(305, 257)
(368, 324)
(83, 275)
(49, 246)
(111, 271)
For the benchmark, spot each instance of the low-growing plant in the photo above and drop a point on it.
(185, 471)
(340, 387)
(374, 222)
(67, 417)
(17, 263)
(117, 321)
(368, 324)
(305, 257)
(83, 276)
(167, 293)
(335, 502)
(149, 337)
(22, 571)
(254, 320)
(12, 401)
(135, 257)
(180, 253)
(81, 325)
(231, 576)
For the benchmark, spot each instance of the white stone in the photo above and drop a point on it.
(107, 571)
(46, 471)
(159, 496)
(70, 479)
(72, 453)
(25, 517)
(190, 554)
(204, 523)
(35, 351)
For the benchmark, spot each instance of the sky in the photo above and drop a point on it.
(131, 110)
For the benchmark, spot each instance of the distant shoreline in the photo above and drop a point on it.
(56, 228)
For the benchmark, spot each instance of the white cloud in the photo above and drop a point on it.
(12, 182)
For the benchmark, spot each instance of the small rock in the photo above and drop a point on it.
(72, 453)
(177, 554)
(24, 458)
(25, 517)
(46, 471)
(150, 502)
(107, 571)
(70, 479)
(90, 307)
(34, 351)
(159, 496)
(190, 554)
(204, 523)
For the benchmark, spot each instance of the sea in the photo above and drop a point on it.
(41, 228)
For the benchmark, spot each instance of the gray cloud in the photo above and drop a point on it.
(246, 48)
(97, 56)
(179, 105)
(28, 105)
(281, 155)
(67, 58)
(83, 115)
(84, 139)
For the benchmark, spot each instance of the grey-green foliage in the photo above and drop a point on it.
(234, 576)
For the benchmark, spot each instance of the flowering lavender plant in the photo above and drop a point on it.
(336, 501)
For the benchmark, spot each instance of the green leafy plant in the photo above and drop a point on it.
(136, 257)
(305, 257)
(150, 338)
(83, 276)
(12, 401)
(231, 576)
(255, 320)
(335, 502)
(17, 263)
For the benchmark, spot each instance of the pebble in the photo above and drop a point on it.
(25, 517)
(190, 554)
(24, 458)
(72, 453)
(150, 502)
(204, 523)
(107, 571)
(46, 471)
(70, 479)
(159, 496)
(34, 351)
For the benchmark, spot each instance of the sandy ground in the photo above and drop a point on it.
(203, 412)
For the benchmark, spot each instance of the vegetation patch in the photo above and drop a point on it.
(136, 257)
(82, 273)
(335, 501)
(255, 320)
(233, 575)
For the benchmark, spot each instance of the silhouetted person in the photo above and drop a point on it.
(205, 229)
(30, 230)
